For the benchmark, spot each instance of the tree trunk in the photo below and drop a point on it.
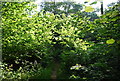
(102, 7)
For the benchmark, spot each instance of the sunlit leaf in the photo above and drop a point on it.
(89, 9)
(110, 41)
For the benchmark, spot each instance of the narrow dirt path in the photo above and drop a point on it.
(54, 71)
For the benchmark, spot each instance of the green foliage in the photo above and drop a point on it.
(32, 42)
(93, 3)
(110, 41)
(89, 9)
(66, 7)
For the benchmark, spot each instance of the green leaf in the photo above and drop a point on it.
(118, 41)
(93, 3)
(110, 41)
(89, 9)
(85, 2)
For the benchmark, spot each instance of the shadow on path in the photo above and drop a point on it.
(55, 71)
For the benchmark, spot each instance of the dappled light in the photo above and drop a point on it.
(61, 41)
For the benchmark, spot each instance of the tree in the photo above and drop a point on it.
(61, 7)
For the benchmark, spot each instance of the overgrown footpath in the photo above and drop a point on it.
(86, 50)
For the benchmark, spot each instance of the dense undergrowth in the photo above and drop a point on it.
(86, 50)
